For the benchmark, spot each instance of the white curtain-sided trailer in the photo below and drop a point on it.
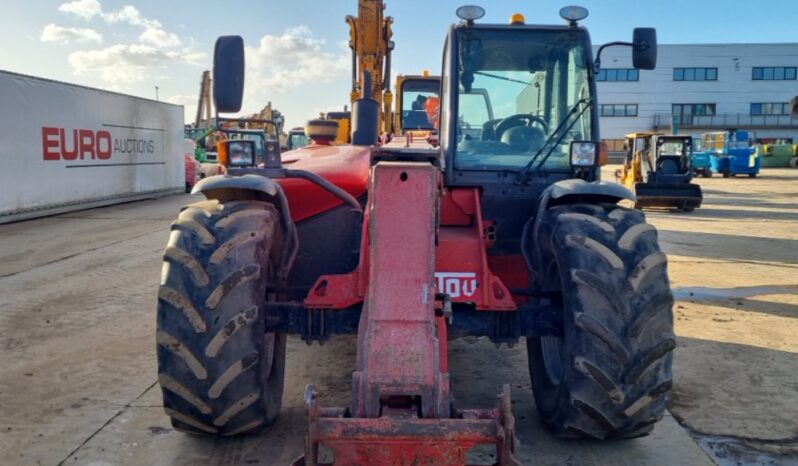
(65, 147)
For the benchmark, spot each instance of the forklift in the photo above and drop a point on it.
(658, 168)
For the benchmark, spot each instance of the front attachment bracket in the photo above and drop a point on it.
(402, 411)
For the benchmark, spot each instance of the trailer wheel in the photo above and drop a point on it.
(609, 373)
(726, 174)
(707, 173)
(752, 175)
(219, 372)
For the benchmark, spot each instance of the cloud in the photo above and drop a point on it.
(131, 15)
(154, 32)
(86, 9)
(183, 99)
(287, 61)
(125, 64)
(159, 38)
(64, 35)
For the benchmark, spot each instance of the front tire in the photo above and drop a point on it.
(609, 374)
(219, 372)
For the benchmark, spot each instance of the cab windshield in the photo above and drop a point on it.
(522, 94)
(298, 140)
(415, 93)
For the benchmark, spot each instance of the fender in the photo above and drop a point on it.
(580, 191)
(571, 191)
(256, 187)
(230, 186)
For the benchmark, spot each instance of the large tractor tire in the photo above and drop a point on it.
(219, 371)
(609, 374)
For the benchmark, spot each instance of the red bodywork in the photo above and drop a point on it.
(401, 410)
(464, 270)
(345, 166)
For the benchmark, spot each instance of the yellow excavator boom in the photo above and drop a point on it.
(370, 34)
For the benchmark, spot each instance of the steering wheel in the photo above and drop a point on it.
(518, 120)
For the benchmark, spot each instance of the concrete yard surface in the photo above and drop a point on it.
(78, 376)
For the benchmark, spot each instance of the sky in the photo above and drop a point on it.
(297, 53)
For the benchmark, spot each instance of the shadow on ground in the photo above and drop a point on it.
(740, 298)
(712, 381)
(730, 247)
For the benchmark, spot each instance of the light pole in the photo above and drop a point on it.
(156, 93)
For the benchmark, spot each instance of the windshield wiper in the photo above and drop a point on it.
(524, 173)
(496, 76)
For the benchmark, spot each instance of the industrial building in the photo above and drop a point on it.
(699, 88)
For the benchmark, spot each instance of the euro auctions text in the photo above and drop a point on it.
(87, 144)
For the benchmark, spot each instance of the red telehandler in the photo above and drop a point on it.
(503, 231)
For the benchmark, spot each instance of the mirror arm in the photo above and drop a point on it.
(597, 61)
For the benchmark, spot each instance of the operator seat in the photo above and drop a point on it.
(671, 165)
(415, 119)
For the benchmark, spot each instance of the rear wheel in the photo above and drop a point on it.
(707, 173)
(608, 375)
(752, 175)
(219, 372)
(726, 174)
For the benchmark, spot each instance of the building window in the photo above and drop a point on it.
(773, 73)
(695, 74)
(770, 108)
(694, 109)
(618, 74)
(685, 112)
(619, 110)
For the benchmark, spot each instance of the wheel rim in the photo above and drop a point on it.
(551, 347)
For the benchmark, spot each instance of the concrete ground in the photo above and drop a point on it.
(77, 377)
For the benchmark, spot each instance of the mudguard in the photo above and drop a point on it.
(578, 190)
(571, 191)
(256, 183)
(231, 188)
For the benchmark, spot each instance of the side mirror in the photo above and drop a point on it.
(644, 48)
(228, 74)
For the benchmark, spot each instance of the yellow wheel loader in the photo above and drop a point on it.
(657, 167)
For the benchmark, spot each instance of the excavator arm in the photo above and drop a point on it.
(370, 34)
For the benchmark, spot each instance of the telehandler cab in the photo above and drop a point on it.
(504, 231)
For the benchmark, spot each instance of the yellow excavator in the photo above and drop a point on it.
(370, 34)
(371, 44)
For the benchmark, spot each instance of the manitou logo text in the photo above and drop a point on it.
(87, 144)
(456, 284)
